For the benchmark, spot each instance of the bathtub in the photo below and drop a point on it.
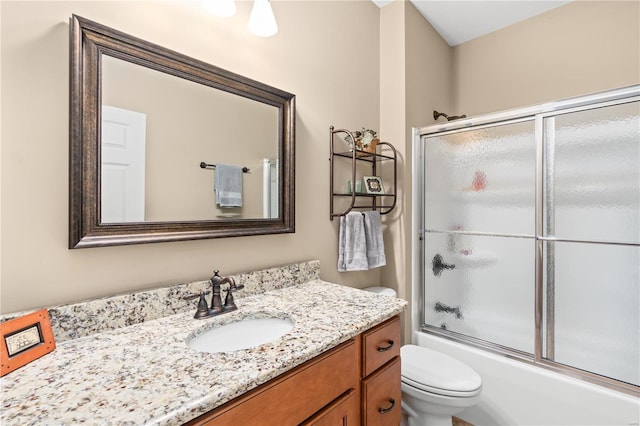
(516, 393)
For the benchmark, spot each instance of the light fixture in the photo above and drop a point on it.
(262, 22)
(222, 8)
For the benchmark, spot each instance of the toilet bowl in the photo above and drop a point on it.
(435, 386)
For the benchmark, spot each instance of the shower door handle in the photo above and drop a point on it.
(437, 265)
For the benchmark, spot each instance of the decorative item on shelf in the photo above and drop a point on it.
(373, 185)
(366, 140)
(358, 186)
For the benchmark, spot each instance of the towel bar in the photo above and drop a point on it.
(204, 165)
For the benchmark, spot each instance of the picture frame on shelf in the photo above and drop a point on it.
(25, 339)
(373, 185)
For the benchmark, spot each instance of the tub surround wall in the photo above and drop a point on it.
(83, 319)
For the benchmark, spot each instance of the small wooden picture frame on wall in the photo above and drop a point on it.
(373, 185)
(25, 339)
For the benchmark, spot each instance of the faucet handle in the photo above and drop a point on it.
(229, 304)
(233, 286)
(203, 308)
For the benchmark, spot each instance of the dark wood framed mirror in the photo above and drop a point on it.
(192, 113)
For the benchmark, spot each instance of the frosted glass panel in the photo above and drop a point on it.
(481, 287)
(593, 174)
(597, 308)
(482, 180)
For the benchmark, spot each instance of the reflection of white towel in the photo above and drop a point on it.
(352, 246)
(228, 185)
(373, 236)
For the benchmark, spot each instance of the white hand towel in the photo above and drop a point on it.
(228, 185)
(373, 236)
(352, 248)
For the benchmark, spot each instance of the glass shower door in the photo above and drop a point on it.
(479, 220)
(592, 240)
(530, 235)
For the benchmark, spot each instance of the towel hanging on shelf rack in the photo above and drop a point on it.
(360, 243)
(352, 245)
(373, 237)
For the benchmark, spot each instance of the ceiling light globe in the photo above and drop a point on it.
(262, 21)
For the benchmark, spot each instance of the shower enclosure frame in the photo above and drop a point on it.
(537, 114)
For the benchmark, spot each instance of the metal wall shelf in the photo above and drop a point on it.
(384, 203)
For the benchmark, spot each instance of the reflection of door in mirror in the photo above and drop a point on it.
(123, 165)
(270, 172)
(189, 123)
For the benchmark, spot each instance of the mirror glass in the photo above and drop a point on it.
(164, 147)
(156, 130)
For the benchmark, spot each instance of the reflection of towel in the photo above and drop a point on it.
(373, 236)
(228, 185)
(352, 246)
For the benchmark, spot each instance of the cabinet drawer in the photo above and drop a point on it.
(381, 396)
(379, 345)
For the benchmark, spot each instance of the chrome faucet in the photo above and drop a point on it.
(216, 308)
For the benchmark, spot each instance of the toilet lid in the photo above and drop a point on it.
(436, 372)
(381, 290)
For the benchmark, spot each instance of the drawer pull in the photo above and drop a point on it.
(386, 348)
(386, 410)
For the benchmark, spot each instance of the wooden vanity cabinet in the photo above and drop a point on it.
(346, 386)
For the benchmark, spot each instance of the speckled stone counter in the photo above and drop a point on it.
(144, 374)
(82, 319)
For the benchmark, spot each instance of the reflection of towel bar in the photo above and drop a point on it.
(204, 165)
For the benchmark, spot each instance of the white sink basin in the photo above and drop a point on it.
(243, 334)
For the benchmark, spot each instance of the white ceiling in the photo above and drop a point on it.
(459, 21)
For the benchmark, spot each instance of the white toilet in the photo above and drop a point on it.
(435, 386)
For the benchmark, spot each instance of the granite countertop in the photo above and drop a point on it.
(144, 374)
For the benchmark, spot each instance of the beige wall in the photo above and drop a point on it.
(580, 48)
(310, 57)
(415, 79)
(403, 72)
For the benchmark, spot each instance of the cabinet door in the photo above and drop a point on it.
(341, 412)
(381, 396)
